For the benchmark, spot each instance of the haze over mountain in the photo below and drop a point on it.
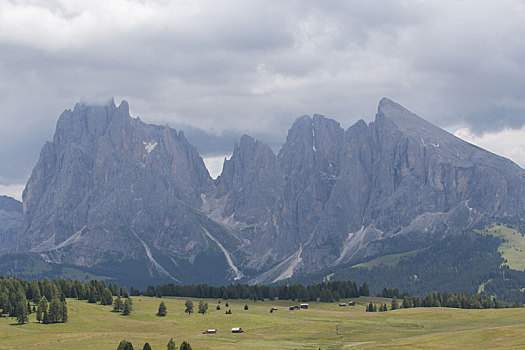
(114, 196)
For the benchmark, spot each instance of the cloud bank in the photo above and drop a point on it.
(232, 67)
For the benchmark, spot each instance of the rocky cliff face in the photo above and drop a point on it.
(110, 189)
(11, 223)
(336, 195)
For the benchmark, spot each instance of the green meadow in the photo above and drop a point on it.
(323, 325)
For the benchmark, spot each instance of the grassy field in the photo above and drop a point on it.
(323, 325)
(513, 247)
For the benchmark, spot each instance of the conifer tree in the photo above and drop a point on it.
(185, 346)
(171, 344)
(395, 304)
(146, 347)
(42, 307)
(21, 312)
(64, 311)
(203, 307)
(189, 307)
(45, 317)
(117, 304)
(163, 310)
(125, 345)
(126, 310)
(55, 311)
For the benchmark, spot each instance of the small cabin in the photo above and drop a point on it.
(294, 307)
(210, 331)
(351, 303)
(304, 306)
(237, 330)
(342, 304)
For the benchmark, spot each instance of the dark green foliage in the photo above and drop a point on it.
(407, 302)
(163, 310)
(171, 344)
(126, 309)
(118, 305)
(203, 307)
(146, 347)
(370, 307)
(125, 345)
(21, 312)
(228, 312)
(218, 307)
(107, 297)
(189, 307)
(460, 263)
(395, 304)
(185, 346)
(245, 307)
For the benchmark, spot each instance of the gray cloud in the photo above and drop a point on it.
(221, 69)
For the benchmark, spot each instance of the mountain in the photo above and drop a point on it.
(11, 222)
(116, 197)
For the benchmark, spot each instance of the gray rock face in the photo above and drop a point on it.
(11, 222)
(110, 189)
(334, 194)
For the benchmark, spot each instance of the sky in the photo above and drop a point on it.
(220, 69)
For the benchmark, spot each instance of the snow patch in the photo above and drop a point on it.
(436, 145)
(149, 146)
(423, 142)
(238, 274)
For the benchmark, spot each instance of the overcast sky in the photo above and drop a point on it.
(219, 69)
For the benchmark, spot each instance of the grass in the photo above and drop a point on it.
(323, 325)
(387, 260)
(512, 248)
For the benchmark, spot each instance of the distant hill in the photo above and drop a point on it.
(10, 222)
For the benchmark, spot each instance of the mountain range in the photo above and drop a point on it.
(115, 197)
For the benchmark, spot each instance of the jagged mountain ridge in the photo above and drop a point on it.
(110, 188)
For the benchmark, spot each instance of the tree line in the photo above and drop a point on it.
(324, 292)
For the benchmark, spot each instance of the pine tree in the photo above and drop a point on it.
(125, 345)
(45, 318)
(185, 346)
(203, 307)
(117, 304)
(407, 302)
(163, 310)
(64, 311)
(171, 344)
(55, 311)
(245, 307)
(146, 347)
(21, 312)
(370, 307)
(126, 310)
(28, 307)
(42, 306)
(189, 307)
(107, 298)
(395, 304)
